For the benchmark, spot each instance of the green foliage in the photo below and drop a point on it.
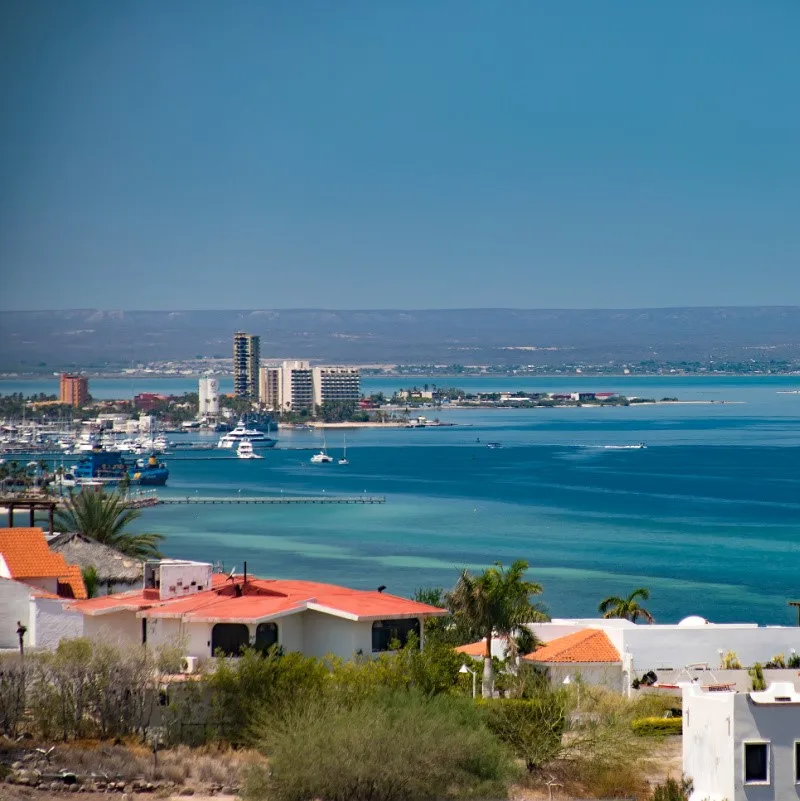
(730, 661)
(657, 727)
(627, 608)
(673, 790)
(91, 580)
(793, 661)
(105, 517)
(12, 694)
(757, 675)
(776, 663)
(497, 600)
(531, 727)
(394, 746)
(446, 630)
(241, 689)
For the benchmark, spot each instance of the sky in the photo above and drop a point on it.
(384, 154)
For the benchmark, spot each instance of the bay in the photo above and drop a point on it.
(707, 516)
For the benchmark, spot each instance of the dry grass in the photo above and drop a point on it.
(180, 765)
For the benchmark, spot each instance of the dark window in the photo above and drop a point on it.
(266, 636)
(229, 638)
(797, 762)
(144, 631)
(386, 633)
(756, 762)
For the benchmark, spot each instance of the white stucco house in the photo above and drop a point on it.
(184, 603)
(36, 587)
(742, 746)
(667, 649)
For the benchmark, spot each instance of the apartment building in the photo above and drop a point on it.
(246, 363)
(73, 389)
(208, 394)
(296, 385)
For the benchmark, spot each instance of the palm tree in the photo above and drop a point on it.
(496, 601)
(104, 517)
(627, 608)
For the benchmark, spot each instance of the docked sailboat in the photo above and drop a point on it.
(344, 459)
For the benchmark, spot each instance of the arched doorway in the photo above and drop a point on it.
(266, 636)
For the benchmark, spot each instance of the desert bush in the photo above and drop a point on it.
(778, 661)
(657, 727)
(730, 661)
(12, 695)
(793, 661)
(758, 681)
(673, 790)
(241, 689)
(394, 746)
(532, 727)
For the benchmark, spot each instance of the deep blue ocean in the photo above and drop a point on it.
(707, 516)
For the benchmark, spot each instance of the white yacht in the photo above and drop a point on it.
(245, 450)
(321, 458)
(257, 438)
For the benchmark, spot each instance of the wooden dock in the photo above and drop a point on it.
(275, 499)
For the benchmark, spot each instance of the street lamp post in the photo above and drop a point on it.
(465, 669)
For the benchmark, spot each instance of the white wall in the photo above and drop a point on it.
(325, 634)
(291, 630)
(708, 744)
(52, 623)
(119, 627)
(15, 605)
(594, 674)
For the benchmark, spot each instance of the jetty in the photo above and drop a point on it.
(274, 499)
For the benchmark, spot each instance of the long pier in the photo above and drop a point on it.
(275, 499)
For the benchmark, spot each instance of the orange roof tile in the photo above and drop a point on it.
(473, 648)
(27, 556)
(260, 599)
(588, 645)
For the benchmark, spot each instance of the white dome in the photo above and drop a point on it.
(693, 620)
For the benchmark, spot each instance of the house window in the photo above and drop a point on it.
(756, 763)
(229, 638)
(266, 636)
(797, 762)
(386, 633)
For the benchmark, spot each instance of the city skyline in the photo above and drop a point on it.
(429, 155)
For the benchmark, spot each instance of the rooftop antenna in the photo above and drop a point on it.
(244, 581)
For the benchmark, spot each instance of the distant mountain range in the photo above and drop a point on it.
(51, 340)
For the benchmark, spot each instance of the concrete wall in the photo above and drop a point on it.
(15, 605)
(596, 675)
(119, 627)
(779, 724)
(52, 623)
(291, 631)
(742, 680)
(708, 744)
(325, 634)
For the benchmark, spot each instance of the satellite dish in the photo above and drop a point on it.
(232, 573)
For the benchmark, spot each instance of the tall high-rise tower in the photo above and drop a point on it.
(246, 359)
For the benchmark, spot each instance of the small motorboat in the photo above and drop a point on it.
(245, 450)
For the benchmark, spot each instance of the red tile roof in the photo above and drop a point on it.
(25, 552)
(262, 599)
(473, 648)
(588, 645)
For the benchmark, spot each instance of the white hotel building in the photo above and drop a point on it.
(296, 385)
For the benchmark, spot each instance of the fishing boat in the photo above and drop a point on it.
(245, 450)
(109, 467)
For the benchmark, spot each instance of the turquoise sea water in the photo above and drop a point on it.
(707, 516)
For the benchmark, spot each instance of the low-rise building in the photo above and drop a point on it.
(742, 746)
(36, 587)
(185, 603)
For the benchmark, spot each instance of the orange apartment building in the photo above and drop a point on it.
(74, 389)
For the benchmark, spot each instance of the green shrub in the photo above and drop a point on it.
(657, 727)
(394, 746)
(793, 661)
(531, 727)
(673, 790)
(757, 675)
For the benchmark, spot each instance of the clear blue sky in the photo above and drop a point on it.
(415, 153)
